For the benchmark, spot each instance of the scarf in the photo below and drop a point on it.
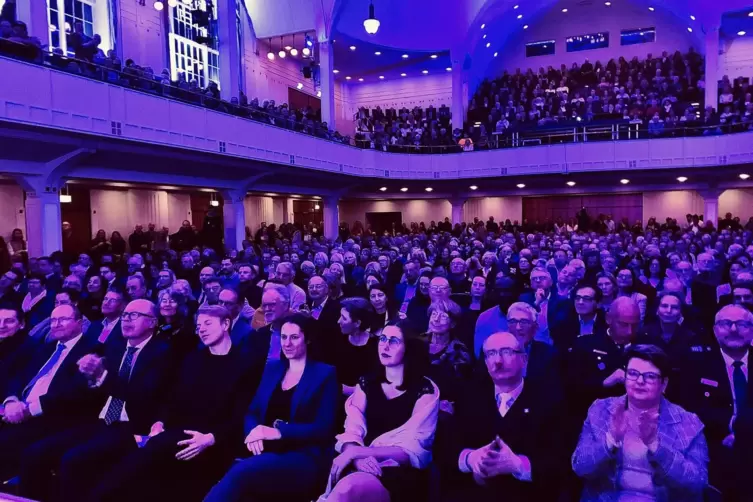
(29, 302)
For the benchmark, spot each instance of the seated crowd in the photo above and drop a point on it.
(437, 363)
(404, 129)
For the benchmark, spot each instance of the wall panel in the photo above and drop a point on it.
(675, 204)
(618, 205)
(12, 210)
(502, 208)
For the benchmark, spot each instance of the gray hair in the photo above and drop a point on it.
(279, 289)
(287, 265)
(748, 315)
(524, 307)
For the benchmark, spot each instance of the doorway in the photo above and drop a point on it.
(384, 221)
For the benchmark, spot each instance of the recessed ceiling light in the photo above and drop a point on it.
(318, 94)
(651, 9)
(692, 17)
(377, 53)
(335, 71)
(404, 189)
(484, 35)
(744, 176)
(682, 179)
(571, 183)
(525, 26)
(516, 6)
(425, 72)
(434, 56)
(564, 10)
(690, 29)
(352, 47)
(429, 189)
(741, 33)
(483, 26)
(750, 14)
(287, 47)
(360, 79)
(402, 75)
(520, 16)
(448, 68)
(299, 86)
(383, 189)
(607, 3)
(405, 56)
(473, 187)
(347, 78)
(624, 181)
(381, 77)
(488, 44)
(495, 54)
(520, 185)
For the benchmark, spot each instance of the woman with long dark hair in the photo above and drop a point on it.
(117, 243)
(175, 322)
(384, 311)
(627, 286)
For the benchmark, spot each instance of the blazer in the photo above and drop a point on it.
(115, 336)
(241, 330)
(145, 392)
(681, 460)
(312, 411)
(69, 396)
(531, 427)
(327, 332)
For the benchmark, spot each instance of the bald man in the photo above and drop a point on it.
(505, 428)
(132, 381)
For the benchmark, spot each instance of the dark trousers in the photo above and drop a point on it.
(14, 439)
(79, 456)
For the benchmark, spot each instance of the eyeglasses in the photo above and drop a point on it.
(648, 377)
(506, 352)
(269, 306)
(225, 303)
(726, 324)
(392, 340)
(132, 316)
(61, 320)
(580, 298)
(523, 323)
(439, 315)
(438, 288)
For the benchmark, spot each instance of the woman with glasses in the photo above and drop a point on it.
(640, 446)
(627, 285)
(390, 423)
(175, 323)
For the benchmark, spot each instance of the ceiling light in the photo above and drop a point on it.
(378, 53)
(651, 9)
(66, 198)
(690, 29)
(741, 33)
(520, 185)
(607, 3)
(473, 187)
(692, 17)
(750, 14)
(287, 47)
(571, 183)
(405, 56)
(525, 26)
(347, 78)
(172, 3)
(682, 179)
(371, 24)
(299, 86)
(425, 72)
(520, 16)
(484, 35)
(158, 5)
(402, 75)
(744, 176)
(383, 189)
(495, 54)
(282, 54)
(271, 56)
(318, 94)
(488, 44)
(624, 181)
(448, 68)
(293, 51)
(214, 203)
(335, 71)
(381, 77)
(516, 6)
(360, 79)
(404, 189)
(306, 51)
(483, 26)
(429, 189)
(564, 10)
(316, 207)
(352, 47)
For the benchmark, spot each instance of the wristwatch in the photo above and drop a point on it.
(277, 423)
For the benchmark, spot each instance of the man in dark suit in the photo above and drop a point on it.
(325, 311)
(46, 268)
(275, 304)
(109, 330)
(38, 302)
(551, 307)
(132, 378)
(47, 394)
(240, 327)
(716, 385)
(578, 317)
(506, 433)
(12, 337)
(543, 364)
(405, 291)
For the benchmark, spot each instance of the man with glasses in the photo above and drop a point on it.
(583, 318)
(326, 311)
(275, 306)
(494, 320)
(285, 274)
(505, 428)
(716, 384)
(136, 287)
(405, 291)
(240, 328)
(132, 381)
(211, 291)
(46, 394)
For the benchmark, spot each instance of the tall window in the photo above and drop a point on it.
(192, 44)
(92, 14)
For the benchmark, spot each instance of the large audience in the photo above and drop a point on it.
(404, 129)
(588, 360)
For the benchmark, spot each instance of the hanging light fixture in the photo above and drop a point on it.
(293, 50)
(282, 52)
(214, 202)
(65, 198)
(270, 54)
(308, 43)
(371, 24)
(172, 3)
(158, 5)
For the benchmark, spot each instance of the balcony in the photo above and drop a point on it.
(41, 96)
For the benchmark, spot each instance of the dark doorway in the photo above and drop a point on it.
(383, 221)
(298, 100)
(77, 212)
(208, 219)
(306, 211)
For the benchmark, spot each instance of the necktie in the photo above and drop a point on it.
(116, 403)
(51, 362)
(105, 331)
(741, 387)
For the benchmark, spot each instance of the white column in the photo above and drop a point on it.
(234, 219)
(458, 104)
(287, 215)
(230, 55)
(711, 206)
(331, 218)
(34, 14)
(457, 210)
(43, 223)
(327, 82)
(712, 68)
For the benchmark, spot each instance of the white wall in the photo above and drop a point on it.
(143, 35)
(12, 210)
(582, 20)
(674, 204)
(739, 202)
(122, 210)
(736, 59)
(502, 208)
(422, 91)
(412, 210)
(260, 209)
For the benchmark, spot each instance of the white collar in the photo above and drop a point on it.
(729, 361)
(72, 342)
(139, 346)
(513, 394)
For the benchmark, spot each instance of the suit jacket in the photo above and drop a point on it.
(241, 330)
(680, 461)
(400, 290)
(313, 408)
(115, 336)
(743, 458)
(327, 332)
(259, 340)
(145, 391)
(69, 396)
(40, 311)
(530, 428)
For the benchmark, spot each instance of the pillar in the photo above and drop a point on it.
(327, 82)
(458, 104)
(34, 14)
(331, 218)
(287, 213)
(712, 68)
(234, 218)
(457, 210)
(711, 206)
(230, 55)
(43, 223)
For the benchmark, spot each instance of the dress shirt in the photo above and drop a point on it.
(123, 414)
(42, 385)
(505, 400)
(410, 292)
(107, 327)
(316, 311)
(728, 361)
(586, 327)
(275, 345)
